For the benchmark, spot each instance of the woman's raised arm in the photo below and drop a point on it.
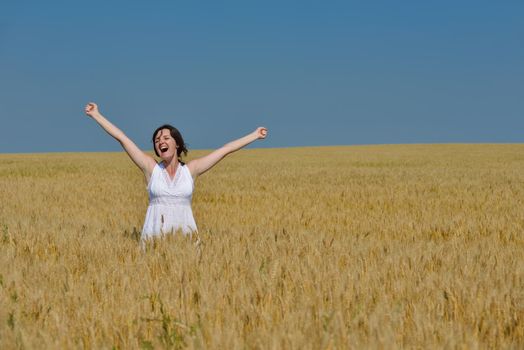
(201, 165)
(142, 160)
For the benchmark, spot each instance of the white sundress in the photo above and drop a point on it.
(169, 207)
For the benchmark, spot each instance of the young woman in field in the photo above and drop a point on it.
(170, 182)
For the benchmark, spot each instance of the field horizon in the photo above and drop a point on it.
(321, 247)
(251, 147)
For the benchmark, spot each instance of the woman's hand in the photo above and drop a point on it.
(91, 109)
(260, 132)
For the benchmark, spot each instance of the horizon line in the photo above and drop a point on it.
(291, 147)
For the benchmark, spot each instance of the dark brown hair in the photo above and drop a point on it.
(181, 146)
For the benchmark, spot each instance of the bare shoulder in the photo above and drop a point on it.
(192, 167)
(149, 165)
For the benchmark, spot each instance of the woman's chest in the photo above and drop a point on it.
(163, 185)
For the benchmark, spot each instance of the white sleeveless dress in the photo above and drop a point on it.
(169, 207)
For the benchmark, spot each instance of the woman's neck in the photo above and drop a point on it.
(171, 164)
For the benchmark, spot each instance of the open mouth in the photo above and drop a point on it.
(163, 149)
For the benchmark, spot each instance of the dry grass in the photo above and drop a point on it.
(418, 246)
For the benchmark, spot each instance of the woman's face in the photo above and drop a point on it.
(165, 144)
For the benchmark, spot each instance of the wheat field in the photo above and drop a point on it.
(379, 247)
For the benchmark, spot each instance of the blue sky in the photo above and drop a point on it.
(313, 72)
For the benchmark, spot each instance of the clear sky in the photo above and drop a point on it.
(313, 72)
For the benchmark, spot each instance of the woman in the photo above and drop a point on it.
(170, 182)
